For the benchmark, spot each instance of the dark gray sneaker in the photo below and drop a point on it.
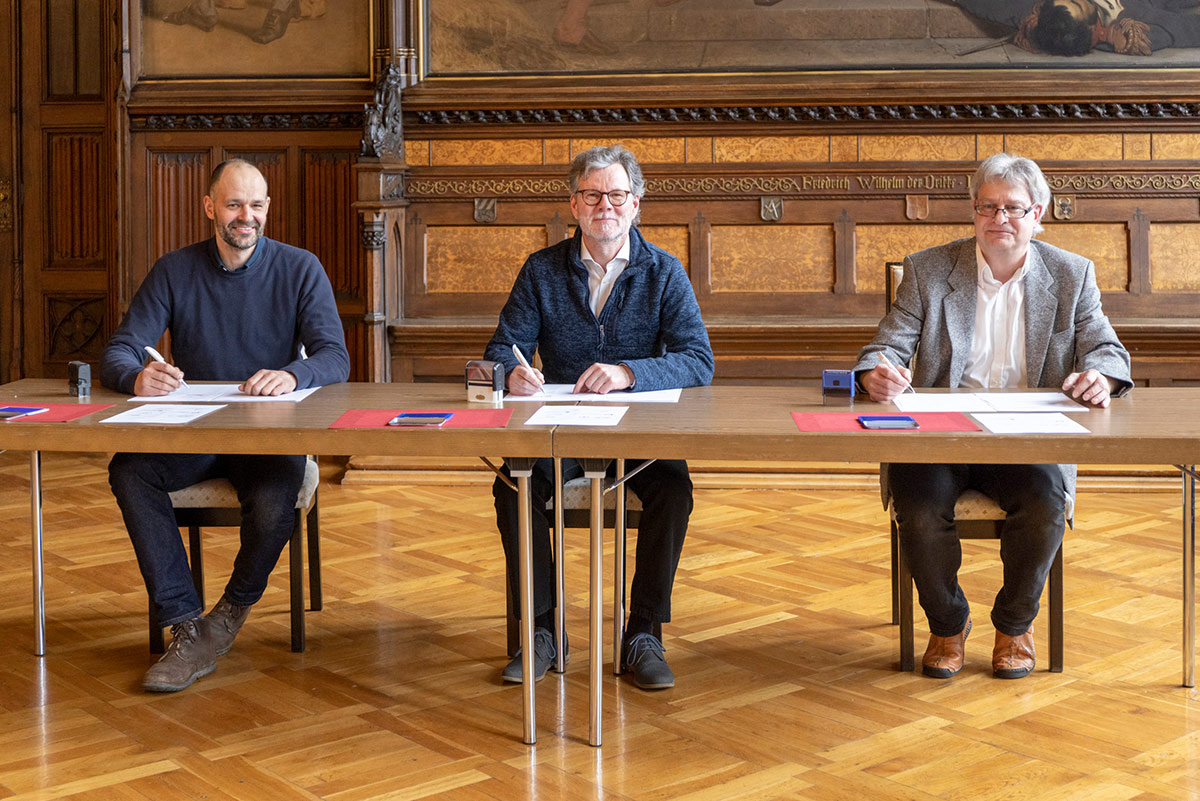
(189, 656)
(642, 655)
(224, 622)
(544, 654)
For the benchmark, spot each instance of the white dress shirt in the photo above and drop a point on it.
(602, 277)
(997, 359)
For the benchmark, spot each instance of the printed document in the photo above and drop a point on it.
(221, 393)
(162, 414)
(577, 416)
(975, 402)
(1030, 423)
(552, 393)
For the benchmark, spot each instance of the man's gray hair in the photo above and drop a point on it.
(597, 158)
(1017, 170)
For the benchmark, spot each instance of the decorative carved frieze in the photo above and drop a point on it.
(373, 238)
(478, 187)
(313, 121)
(883, 113)
(1181, 182)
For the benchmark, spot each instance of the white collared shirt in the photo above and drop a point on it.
(601, 278)
(997, 359)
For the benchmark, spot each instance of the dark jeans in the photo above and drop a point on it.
(1033, 497)
(267, 487)
(665, 489)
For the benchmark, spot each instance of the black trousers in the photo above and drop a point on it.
(665, 489)
(1033, 497)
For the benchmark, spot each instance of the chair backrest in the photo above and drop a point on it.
(577, 502)
(893, 273)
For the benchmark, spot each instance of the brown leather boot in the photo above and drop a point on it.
(1013, 657)
(189, 656)
(944, 656)
(224, 622)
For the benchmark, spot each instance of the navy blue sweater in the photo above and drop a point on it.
(651, 322)
(226, 326)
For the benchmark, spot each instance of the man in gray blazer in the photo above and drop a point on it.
(994, 311)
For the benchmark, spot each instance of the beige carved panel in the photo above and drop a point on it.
(477, 259)
(843, 148)
(416, 152)
(467, 152)
(1075, 147)
(1107, 245)
(987, 144)
(558, 151)
(876, 245)
(671, 238)
(700, 150)
(650, 150)
(916, 148)
(771, 148)
(1137, 147)
(772, 258)
(1176, 146)
(1175, 257)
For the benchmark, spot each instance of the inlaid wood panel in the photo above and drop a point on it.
(771, 148)
(649, 150)
(75, 326)
(1175, 254)
(77, 206)
(1175, 146)
(461, 259)
(177, 182)
(1066, 146)
(917, 148)
(770, 259)
(74, 49)
(674, 239)
(459, 152)
(1138, 147)
(876, 245)
(1106, 245)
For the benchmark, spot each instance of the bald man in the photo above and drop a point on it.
(239, 308)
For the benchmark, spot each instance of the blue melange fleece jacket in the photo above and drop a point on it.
(226, 326)
(651, 321)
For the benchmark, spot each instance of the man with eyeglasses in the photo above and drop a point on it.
(995, 311)
(608, 312)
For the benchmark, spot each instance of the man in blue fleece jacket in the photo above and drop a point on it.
(608, 312)
(239, 307)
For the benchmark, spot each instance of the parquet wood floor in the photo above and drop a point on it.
(781, 644)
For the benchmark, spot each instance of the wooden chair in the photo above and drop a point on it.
(976, 517)
(215, 503)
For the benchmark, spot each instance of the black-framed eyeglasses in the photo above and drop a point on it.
(1011, 212)
(616, 197)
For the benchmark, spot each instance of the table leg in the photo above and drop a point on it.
(1189, 575)
(618, 569)
(560, 593)
(594, 469)
(35, 518)
(522, 471)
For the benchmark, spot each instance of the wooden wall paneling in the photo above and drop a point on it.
(276, 167)
(177, 180)
(10, 212)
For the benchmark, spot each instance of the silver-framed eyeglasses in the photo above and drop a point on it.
(1011, 212)
(616, 197)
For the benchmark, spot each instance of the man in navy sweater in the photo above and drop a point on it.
(239, 307)
(608, 312)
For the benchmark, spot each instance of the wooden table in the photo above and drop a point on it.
(1150, 426)
(276, 428)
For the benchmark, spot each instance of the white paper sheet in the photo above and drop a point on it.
(909, 402)
(221, 393)
(552, 393)
(577, 416)
(1030, 423)
(162, 414)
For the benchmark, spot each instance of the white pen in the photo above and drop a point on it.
(524, 362)
(158, 358)
(883, 360)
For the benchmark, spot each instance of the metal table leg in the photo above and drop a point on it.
(522, 471)
(35, 518)
(618, 568)
(594, 469)
(1189, 574)
(560, 593)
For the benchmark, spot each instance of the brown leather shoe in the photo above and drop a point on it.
(1013, 657)
(945, 655)
(224, 622)
(189, 656)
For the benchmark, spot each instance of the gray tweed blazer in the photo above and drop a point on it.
(1066, 330)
